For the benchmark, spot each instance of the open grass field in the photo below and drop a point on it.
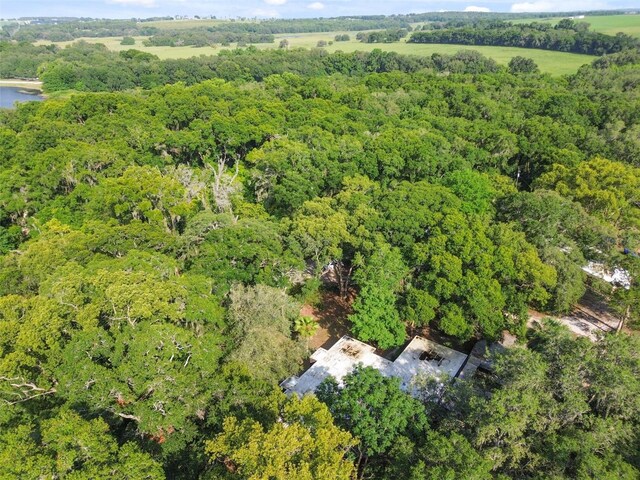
(555, 63)
(609, 24)
(113, 43)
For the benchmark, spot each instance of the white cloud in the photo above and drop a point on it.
(541, 6)
(265, 13)
(550, 6)
(135, 3)
(473, 8)
(316, 6)
(275, 2)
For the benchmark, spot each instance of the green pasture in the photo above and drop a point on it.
(555, 63)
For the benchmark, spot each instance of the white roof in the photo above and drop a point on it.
(338, 361)
(617, 277)
(420, 356)
(425, 357)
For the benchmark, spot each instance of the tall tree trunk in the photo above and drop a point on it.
(223, 183)
(623, 319)
(343, 275)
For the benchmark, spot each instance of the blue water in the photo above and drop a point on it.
(10, 95)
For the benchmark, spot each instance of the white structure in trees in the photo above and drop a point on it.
(421, 356)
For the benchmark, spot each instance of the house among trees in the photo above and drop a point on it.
(421, 356)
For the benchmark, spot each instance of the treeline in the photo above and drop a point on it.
(21, 60)
(71, 30)
(383, 36)
(92, 67)
(567, 36)
(65, 31)
(474, 17)
(349, 24)
(202, 38)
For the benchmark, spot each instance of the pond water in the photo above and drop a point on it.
(10, 95)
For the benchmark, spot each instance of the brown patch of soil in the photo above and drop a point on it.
(308, 311)
(331, 316)
(589, 318)
(593, 307)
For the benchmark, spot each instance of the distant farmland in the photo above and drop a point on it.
(609, 24)
(554, 63)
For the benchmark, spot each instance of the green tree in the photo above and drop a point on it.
(565, 236)
(473, 188)
(300, 442)
(262, 321)
(376, 319)
(442, 455)
(520, 64)
(321, 231)
(286, 174)
(605, 188)
(155, 379)
(305, 326)
(374, 410)
(142, 193)
(67, 446)
(375, 316)
(229, 250)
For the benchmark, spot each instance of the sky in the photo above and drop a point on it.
(284, 8)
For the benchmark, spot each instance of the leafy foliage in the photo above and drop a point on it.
(148, 240)
(375, 316)
(262, 320)
(300, 441)
(67, 446)
(373, 408)
(550, 406)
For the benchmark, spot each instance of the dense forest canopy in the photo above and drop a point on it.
(92, 67)
(163, 223)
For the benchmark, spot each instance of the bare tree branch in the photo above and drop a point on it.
(25, 390)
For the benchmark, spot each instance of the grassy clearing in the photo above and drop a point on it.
(26, 84)
(612, 24)
(555, 63)
(113, 43)
(609, 24)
